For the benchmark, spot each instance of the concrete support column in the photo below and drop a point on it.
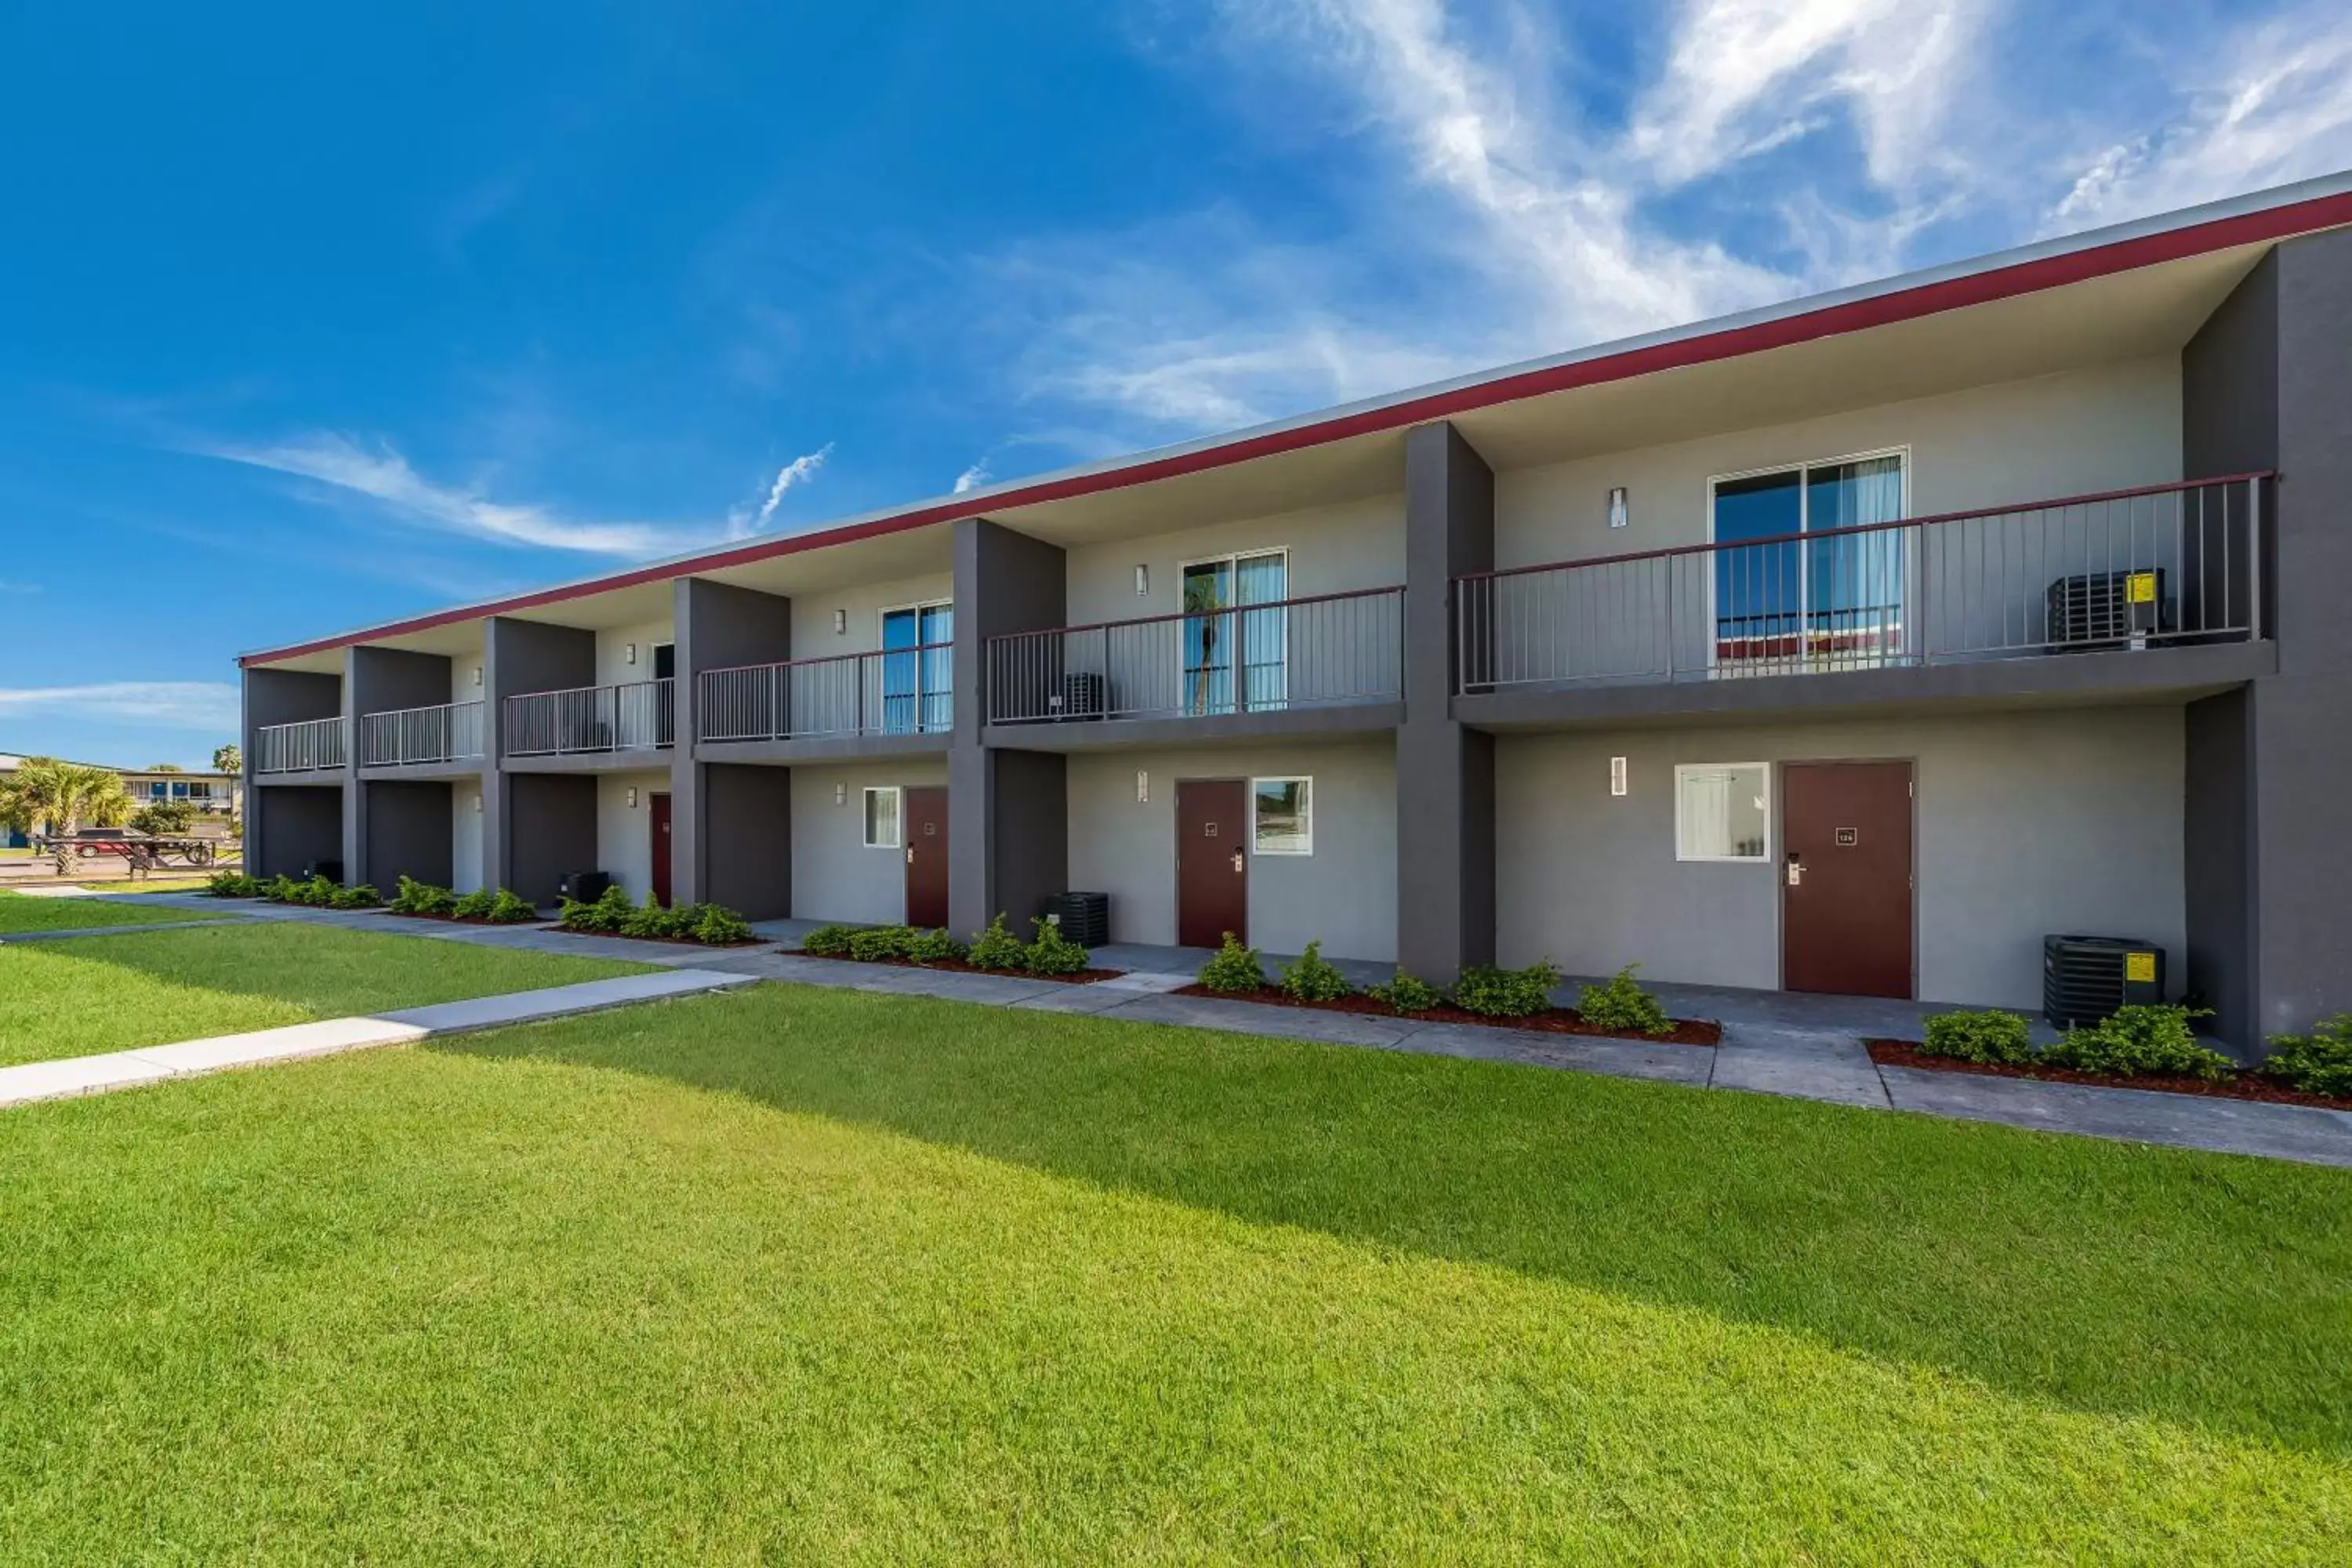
(1008, 811)
(1445, 773)
(730, 836)
(521, 656)
(2267, 384)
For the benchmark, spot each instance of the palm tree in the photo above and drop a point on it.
(228, 759)
(59, 795)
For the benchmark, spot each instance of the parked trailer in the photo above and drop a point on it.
(142, 852)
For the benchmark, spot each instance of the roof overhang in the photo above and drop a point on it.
(1512, 413)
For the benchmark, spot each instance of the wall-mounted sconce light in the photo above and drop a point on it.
(1616, 775)
(1142, 787)
(1142, 582)
(477, 675)
(629, 653)
(840, 622)
(633, 797)
(840, 794)
(477, 805)
(1618, 516)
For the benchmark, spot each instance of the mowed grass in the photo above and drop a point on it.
(792, 1275)
(95, 993)
(20, 914)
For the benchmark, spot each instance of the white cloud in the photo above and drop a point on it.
(176, 704)
(2281, 111)
(384, 476)
(971, 479)
(798, 471)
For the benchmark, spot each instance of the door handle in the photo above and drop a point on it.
(1796, 870)
(1237, 862)
(910, 854)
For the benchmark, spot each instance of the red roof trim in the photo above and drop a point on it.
(1832, 321)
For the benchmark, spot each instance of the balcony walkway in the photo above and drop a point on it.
(1774, 1042)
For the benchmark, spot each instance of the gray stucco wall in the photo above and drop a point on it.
(748, 819)
(834, 875)
(551, 830)
(294, 826)
(1333, 549)
(410, 833)
(1344, 893)
(2026, 823)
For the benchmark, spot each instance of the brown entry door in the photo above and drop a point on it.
(658, 818)
(927, 856)
(1212, 861)
(1846, 878)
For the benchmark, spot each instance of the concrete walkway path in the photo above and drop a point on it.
(153, 1064)
(1774, 1042)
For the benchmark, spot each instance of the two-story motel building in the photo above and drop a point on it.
(1850, 645)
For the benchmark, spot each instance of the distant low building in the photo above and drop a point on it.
(217, 795)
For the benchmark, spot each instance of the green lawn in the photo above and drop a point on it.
(111, 992)
(810, 1275)
(19, 913)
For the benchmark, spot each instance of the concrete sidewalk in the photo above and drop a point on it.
(153, 1064)
(1774, 1042)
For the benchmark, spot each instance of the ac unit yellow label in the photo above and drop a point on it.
(2139, 587)
(2140, 966)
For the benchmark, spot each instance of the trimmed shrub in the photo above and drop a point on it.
(716, 925)
(232, 885)
(1406, 994)
(1235, 968)
(510, 909)
(317, 893)
(411, 897)
(997, 947)
(2141, 1040)
(278, 889)
(935, 947)
(649, 920)
(360, 896)
(827, 942)
(1494, 992)
(1311, 977)
(2316, 1063)
(1622, 1005)
(610, 913)
(1998, 1038)
(1052, 953)
(881, 943)
(473, 906)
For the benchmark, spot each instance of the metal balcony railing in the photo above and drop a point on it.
(1329, 651)
(446, 733)
(896, 691)
(639, 717)
(303, 747)
(2164, 564)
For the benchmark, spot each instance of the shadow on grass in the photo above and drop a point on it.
(2104, 1277)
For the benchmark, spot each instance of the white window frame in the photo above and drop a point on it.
(1307, 846)
(882, 619)
(1764, 858)
(897, 815)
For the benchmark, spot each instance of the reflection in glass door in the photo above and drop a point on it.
(1784, 602)
(1237, 658)
(917, 663)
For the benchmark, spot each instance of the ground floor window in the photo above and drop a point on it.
(882, 817)
(1723, 811)
(1282, 815)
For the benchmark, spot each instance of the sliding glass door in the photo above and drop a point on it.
(917, 663)
(1784, 601)
(1236, 658)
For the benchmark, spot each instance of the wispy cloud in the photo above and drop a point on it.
(175, 704)
(971, 479)
(799, 470)
(2279, 110)
(382, 475)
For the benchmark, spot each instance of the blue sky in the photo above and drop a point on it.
(314, 316)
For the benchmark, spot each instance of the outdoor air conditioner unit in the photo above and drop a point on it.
(587, 887)
(2108, 609)
(1085, 918)
(2086, 978)
(1083, 695)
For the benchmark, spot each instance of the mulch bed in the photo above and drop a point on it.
(1557, 1021)
(958, 966)
(2245, 1086)
(672, 940)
